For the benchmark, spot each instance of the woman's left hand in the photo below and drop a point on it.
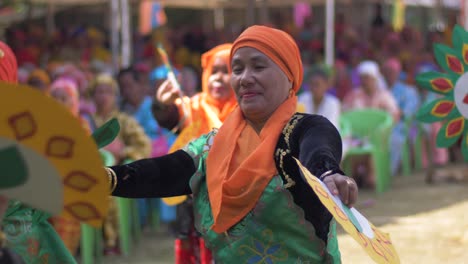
(343, 186)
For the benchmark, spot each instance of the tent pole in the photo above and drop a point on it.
(264, 12)
(329, 32)
(219, 17)
(114, 26)
(464, 11)
(250, 13)
(50, 23)
(126, 34)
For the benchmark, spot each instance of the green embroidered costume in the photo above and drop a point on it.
(32, 237)
(288, 223)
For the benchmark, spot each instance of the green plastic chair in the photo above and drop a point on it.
(406, 149)
(345, 128)
(418, 155)
(91, 238)
(124, 206)
(374, 125)
(128, 221)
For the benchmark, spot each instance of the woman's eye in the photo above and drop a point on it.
(237, 70)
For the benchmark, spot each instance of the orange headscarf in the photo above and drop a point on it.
(205, 112)
(223, 109)
(43, 76)
(8, 64)
(234, 190)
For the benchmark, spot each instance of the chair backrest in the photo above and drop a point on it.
(345, 128)
(107, 157)
(365, 122)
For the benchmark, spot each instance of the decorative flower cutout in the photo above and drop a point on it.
(453, 85)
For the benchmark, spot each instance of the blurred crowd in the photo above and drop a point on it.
(372, 70)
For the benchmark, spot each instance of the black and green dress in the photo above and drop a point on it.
(288, 224)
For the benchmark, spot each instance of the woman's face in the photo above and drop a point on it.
(61, 96)
(218, 82)
(259, 84)
(368, 83)
(104, 97)
(391, 74)
(318, 86)
(130, 88)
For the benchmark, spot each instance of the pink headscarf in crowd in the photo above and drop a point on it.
(71, 89)
(394, 64)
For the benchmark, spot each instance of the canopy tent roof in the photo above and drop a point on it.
(203, 4)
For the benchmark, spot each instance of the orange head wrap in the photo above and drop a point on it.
(210, 105)
(208, 59)
(278, 45)
(41, 75)
(8, 64)
(240, 163)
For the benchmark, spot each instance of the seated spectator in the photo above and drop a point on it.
(371, 94)
(408, 101)
(316, 100)
(131, 144)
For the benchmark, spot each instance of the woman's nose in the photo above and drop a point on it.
(246, 78)
(218, 75)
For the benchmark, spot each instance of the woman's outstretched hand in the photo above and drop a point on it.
(343, 186)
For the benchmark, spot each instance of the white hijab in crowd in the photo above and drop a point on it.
(372, 68)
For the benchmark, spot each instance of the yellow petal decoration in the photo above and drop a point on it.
(36, 122)
(376, 243)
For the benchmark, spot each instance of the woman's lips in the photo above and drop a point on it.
(248, 95)
(218, 88)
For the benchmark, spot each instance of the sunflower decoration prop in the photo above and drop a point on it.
(377, 244)
(452, 107)
(47, 159)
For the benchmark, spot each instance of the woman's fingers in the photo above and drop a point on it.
(343, 186)
(167, 93)
(352, 192)
(330, 183)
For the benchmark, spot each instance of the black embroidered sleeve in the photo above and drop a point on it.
(164, 176)
(317, 144)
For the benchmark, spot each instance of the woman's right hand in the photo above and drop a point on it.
(167, 93)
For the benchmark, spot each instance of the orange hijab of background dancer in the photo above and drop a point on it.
(205, 112)
(235, 189)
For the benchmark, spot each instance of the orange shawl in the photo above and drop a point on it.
(205, 112)
(237, 172)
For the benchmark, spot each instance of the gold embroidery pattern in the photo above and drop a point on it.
(281, 153)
